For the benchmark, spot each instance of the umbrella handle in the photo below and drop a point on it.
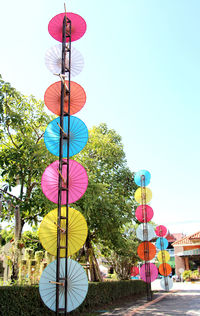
(59, 283)
(61, 176)
(62, 230)
(62, 130)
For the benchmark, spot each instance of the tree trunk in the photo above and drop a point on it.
(95, 274)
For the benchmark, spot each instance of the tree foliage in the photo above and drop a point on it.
(23, 155)
(109, 200)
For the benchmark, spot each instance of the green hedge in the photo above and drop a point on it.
(26, 301)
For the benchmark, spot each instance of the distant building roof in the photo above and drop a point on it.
(188, 240)
(174, 237)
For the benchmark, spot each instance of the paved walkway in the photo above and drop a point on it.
(183, 299)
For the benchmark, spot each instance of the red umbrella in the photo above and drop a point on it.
(78, 181)
(53, 95)
(146, 251)
(144, 213)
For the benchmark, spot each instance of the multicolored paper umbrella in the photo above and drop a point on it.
(78, 181)
(77, 231)
(145, 233)
(53, 60)
(143, 194)
(153, 272)
(78, 26)
(52, 97)
(162, 243)
(144, 213)
(134, 271)
(78, 136)
(165, 269)
(138, 179)
(76, 280)
(146, 251)
(166, 283)
(161, 231)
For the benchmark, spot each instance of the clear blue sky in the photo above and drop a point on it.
(141, 76)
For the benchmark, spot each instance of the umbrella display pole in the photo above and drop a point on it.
(61, 283)
(145, 238)
(164, 264)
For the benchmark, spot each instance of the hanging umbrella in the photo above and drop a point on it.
(76, 280)
(166, 283)
(77, 231)
(78, 136)
(52, 98)
(143, 194)
(78, 26)
(148, 267)
(78, 181)
(165, 269)
(134, 271)
(139, 174)
(162, 243)
(146, 251)
(145, 232)
(163, 256)
(53, 60)
(144, 212)
(161, 231)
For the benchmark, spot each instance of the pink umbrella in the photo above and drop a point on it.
(144, 212)
(161, 231)
(153, 272)
(78, 26)
(78, 181)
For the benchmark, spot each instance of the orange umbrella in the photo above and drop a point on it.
(146, 251)
(165, 269)
(53, 95)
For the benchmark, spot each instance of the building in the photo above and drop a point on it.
(187, 253)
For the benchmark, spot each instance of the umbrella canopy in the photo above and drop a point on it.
(146, 251)
(162, 243)
(143, 194)
(134, 271)
(144, 213)
(161, 231)
(166, 283)
(53, 60)
(78, 26)
(78, 136)
(77, 231)
(153, 272)
(78, 182)
(52, 97)
(139, 174)
(145, 233)
(165, 269)
(76, 280)
(163, 256)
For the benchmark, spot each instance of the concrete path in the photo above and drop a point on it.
(183, 299)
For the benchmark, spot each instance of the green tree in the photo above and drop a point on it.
(23, 155)
(108, 203)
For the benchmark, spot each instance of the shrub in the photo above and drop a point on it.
(26, 301)
(187, 275)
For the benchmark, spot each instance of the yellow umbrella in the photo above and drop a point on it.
(163, 256)
(143, 195)
(77, 231)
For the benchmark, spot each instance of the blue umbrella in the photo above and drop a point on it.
(77, 285)
(78, 136)
(162, 243)
(146, 174)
